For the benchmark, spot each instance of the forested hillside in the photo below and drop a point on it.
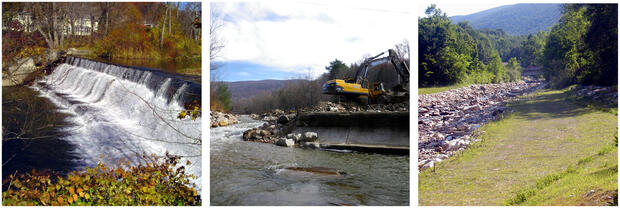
(581, 48)
(518, 19)
(457, 53)
(247, 89)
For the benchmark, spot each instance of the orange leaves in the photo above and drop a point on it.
(161, 182)
(71, 190)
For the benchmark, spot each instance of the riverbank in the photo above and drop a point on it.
(446, 120)
(549, 151)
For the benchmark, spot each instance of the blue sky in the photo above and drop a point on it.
(244, 71)
(287, 39)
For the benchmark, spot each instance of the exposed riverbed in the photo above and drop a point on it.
(252, 173)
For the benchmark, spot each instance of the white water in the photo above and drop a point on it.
(221, 136)
(117, 116)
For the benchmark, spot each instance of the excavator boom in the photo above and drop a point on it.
(359, 86)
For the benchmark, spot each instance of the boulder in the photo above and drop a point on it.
(285, 142)
(295, 137)
(429, 164)
(283, 119)
(455, 144)
(309, 137)
(313, 145)
(254, 116)
(247, 135)
(17, 74)
(264, 133)
(223, 122)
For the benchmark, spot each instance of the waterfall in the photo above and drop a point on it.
(121, 111)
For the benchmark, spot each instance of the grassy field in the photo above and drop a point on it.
(431, 90)
(549, 151)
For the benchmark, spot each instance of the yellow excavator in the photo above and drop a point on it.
(360, 89)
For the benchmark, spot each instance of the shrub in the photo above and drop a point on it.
(159, 182)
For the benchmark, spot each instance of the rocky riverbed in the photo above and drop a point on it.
(447, 119)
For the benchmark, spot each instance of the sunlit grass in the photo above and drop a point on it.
(526, 157)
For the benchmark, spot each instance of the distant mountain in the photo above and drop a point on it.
(248, 89)
(517, 19)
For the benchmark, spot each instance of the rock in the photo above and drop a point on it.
(264, 133)
(313, 145)
(283, 119)
(429, 164)
(285, 142)
(223, 122)
(222, 119)
(454, 144)
(309, 137)
(17, 74)
(254, 116)
(295, 137)
(463, 128)
(247, 135)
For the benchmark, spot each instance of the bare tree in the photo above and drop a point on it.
(217, 44)
(163, 27)
(48, 20)
(402, 49)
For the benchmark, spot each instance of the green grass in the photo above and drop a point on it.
(431, 90)
(530, 157)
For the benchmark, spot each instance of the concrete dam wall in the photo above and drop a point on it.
(386, 132)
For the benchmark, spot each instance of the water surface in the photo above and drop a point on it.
(251, 173)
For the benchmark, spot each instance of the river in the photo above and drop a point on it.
(251, 173)
(86, 112)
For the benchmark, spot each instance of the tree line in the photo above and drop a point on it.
(456, 53)
(583, 47)
(110, 29)
(580, 48)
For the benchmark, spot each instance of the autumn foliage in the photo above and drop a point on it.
(160, 182)
(132, 39)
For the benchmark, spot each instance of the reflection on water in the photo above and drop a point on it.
(32, 132)
(250, 173)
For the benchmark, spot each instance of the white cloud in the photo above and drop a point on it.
(243, 73)
(310, 35)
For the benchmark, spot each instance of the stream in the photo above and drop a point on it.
(251, 173)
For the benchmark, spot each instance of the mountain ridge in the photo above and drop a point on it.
(515, 19)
